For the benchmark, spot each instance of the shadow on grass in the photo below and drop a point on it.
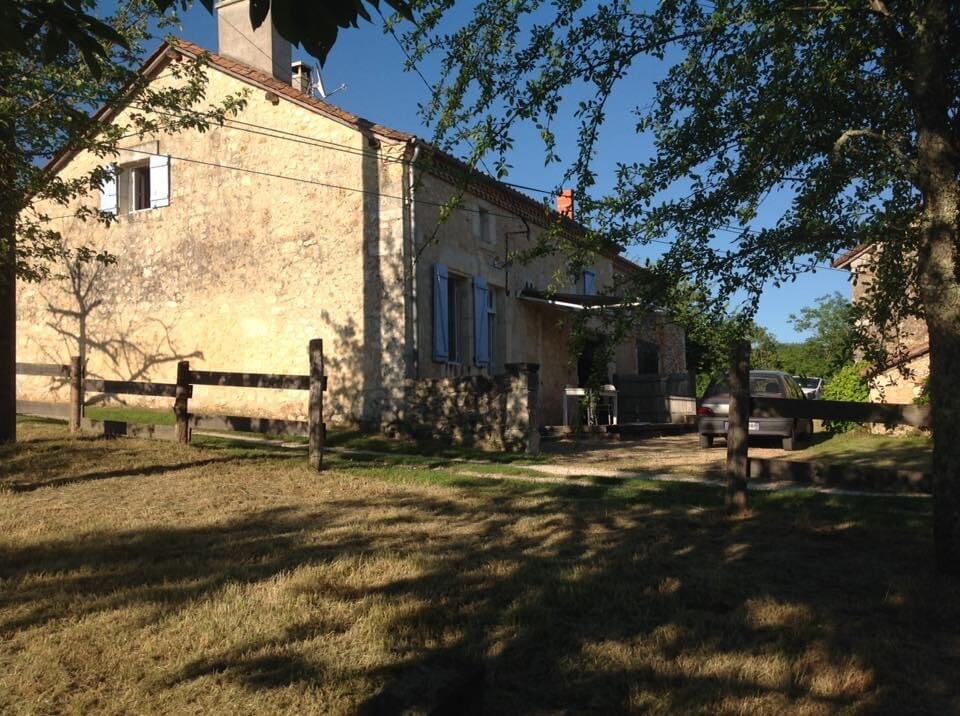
(17, 486)
(357, 440)
(543, 598)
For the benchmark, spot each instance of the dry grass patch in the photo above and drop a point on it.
(143, 577)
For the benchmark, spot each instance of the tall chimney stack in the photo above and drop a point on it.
(565, 203)
(262, 49)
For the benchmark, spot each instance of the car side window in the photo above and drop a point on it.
(794, 389)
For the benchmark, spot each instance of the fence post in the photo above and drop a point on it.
(76, 393)
(738, 465)
(180, 405)
(315, 405)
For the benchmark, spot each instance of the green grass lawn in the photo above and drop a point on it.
(863, 449)
(149, 577)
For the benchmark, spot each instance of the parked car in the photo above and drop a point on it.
(715, 407)
(811, 386)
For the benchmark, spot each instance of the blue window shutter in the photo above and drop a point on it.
(589, 283)
(481, 327)
(159, 181)
(108, 191)
(441, 341)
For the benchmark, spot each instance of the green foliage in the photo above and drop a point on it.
(831, 346)
(817, 103)
(53, 29)
(45, 105)
(847, 384)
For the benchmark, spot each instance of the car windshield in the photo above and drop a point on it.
(760, 385)
(808, 382)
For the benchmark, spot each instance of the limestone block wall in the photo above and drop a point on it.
(901, 386)
(493, 412)
(242, 269)
(532, 332)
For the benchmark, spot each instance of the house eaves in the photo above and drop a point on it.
(844, 260)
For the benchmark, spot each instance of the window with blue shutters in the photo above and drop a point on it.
(589, 283)
(481, 322)
(441, 314)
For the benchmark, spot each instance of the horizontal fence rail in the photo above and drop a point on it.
(888, 413)
(250, 380)
(125, 387)
(315, 383)
(53, 370)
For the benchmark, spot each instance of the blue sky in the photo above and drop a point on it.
(370, 63)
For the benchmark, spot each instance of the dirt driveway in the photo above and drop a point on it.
(672, 454)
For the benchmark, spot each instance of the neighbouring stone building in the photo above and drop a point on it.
(296, 220)
(903, 379)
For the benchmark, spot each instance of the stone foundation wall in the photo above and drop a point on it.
(496, 413)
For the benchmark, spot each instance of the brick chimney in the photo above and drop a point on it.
(262, 49)
(300, 76)
(565, 203)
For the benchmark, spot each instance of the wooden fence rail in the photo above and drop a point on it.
(888, 413)
(182, 391)
(738, 467)
(52, 370)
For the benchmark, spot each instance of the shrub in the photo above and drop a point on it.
(847, 384)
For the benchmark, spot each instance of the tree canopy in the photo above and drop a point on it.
(51, 30)
(849, 111)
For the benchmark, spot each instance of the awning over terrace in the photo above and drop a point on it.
(571, 301)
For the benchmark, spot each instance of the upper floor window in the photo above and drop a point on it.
(484, 225)
(136, 186)
(589, 283)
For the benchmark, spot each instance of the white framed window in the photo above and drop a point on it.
(486, 226)
(136, 186)
(139, 186)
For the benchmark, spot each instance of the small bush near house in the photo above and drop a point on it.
(847, 384)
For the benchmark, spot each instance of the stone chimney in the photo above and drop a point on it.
(300, 74)
(262, 49)
(565, 203)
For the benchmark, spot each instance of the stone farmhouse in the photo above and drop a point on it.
(903, 379)
(296, 220)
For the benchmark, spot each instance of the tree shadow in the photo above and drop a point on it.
(550, 601)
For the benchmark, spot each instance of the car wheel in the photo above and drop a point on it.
(706, 441)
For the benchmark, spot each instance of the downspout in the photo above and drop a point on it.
(412, 209)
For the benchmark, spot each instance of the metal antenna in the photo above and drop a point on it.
(317, 87)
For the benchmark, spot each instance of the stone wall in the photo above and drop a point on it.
(241, 270)
(490, 412)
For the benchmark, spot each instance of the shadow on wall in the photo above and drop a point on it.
(514, 603)
(83, 314)
(343, 358)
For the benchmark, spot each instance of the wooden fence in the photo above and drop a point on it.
(314, 382)
(653, 398)
(743, 406)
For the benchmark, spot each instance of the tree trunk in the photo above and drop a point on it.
(738, 420)
(936, 171)
(941, 297)
(8, 299)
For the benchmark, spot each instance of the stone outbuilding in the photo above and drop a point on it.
(903, 378)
